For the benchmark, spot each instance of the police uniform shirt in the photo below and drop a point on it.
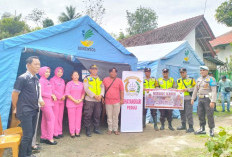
(89, 94)
(28, 88)
(187, 97)
(205, 86)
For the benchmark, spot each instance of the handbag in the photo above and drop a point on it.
(227, 89)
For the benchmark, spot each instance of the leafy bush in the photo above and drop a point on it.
(221, 145)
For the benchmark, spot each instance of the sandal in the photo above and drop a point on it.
(109, 132)
(116, 133)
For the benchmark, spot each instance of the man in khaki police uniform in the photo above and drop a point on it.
(149, 83)
(186, 84)
(166, 82)
(206, 90)
(94, 92)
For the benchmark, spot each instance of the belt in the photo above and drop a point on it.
(203, 96)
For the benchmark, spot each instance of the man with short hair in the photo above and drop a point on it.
(186, 85)
(114, 98)
(166, 82)
(225, 87)
(149, 83)
(94, 89)
(206, 90)
(25, 98)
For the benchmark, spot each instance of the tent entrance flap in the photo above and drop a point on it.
(103, 67)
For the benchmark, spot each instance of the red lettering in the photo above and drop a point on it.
(131, 107)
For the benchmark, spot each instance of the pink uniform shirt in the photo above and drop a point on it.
(76, 91)
(46, 87)
(58, 85)
(113, 94)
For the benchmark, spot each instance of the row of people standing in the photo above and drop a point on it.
(204, 87)
(31, 94)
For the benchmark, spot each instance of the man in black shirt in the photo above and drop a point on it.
(25, 99)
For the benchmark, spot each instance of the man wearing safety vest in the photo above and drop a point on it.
(186, 85)
(166, 83)
(94, 92)
(149, 83)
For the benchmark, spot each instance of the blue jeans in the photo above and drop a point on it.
(225, 97)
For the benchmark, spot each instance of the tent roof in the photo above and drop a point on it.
(155, 51)
(58, 29)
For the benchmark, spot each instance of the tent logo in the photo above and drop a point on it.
(132, 85)
(86, 35)
(87, 43)
(186, 57)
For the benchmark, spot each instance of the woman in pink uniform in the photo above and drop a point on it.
(75, 95)
(58, 87)
(48, 118)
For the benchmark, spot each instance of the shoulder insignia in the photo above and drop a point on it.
(85, 80)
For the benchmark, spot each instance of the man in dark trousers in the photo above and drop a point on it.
(94, 89)
(25, 99)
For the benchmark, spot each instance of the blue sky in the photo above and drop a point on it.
(168, 11)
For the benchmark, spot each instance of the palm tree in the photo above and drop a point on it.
(69, 15)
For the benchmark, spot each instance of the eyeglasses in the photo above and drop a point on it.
(165, 71)
(182, 72)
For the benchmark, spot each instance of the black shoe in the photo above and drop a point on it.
(61, 135)
(35, 148)
(43, 140)
(51, 143)
(88, 132)
(211, 132)
(78, 135)
(56, 137)
(162, 127)
(72, 136)
(223, 110)
(190, 129)
(182, 127)
(228, 110)
(156, 127)
(200, 131)
(96, 131)
(170, 126)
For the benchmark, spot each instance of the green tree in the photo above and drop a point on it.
(69, 15)
(47, 23)
(95, 9)
(12, 26)
(36, 16)
(224, 13)
(142, 20)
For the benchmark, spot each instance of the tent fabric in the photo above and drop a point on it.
(173, 55)
(59, 45)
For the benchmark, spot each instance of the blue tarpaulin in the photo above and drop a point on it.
(173, 55)
(80, 38)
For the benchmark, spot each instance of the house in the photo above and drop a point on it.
(222, 46)
(195, 30)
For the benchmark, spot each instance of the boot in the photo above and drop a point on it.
(96, 131)
(88, 132)
(211, 132)
(170, 126)
(201, 130)
(162, 126)
(182, 127)
(155, 124)
(190, 129)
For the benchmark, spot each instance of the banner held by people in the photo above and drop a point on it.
(164, 99)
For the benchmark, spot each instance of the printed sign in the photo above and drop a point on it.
(132, 109)
(164, 99)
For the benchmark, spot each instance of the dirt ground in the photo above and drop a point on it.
(150, 143)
